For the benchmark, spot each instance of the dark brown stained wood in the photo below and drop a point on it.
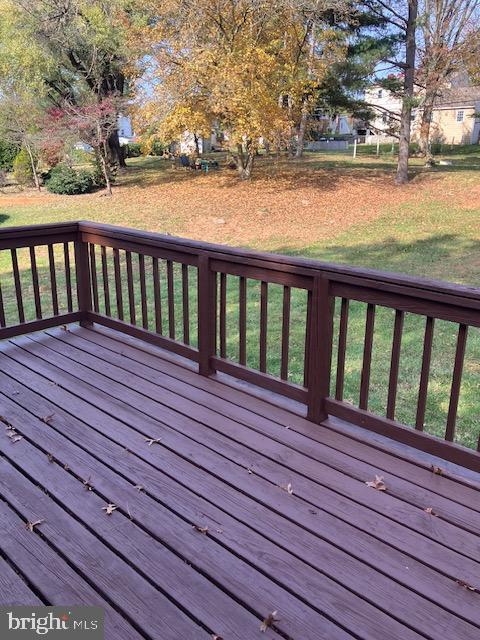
(93, 277)
(36, 288)
(242, 320)
(185, 304)
(84, 292)
(52, 576)
(171, 300)
(130, 287)
(2, 310)
(118, 283)
(285, 333)
(13, 589)
(263, 326)
(367, 357)
(425, 374)
(206, 283)
(223, 315)
(157, 296)
(18, 286)
(127, 589)
(288, 538)
(68, 276)
(53, 279)
(394, 364)
(260, 273)
(308, 329)
(37, 325)
(106, 282)
(456, 382)
(342, 348)
(143, 290)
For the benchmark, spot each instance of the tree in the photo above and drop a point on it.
(446, 28)
(83, 50)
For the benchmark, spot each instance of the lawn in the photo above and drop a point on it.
(326, 206)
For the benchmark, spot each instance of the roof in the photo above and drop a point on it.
(458, 96)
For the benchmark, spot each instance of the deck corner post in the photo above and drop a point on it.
(83, 281)
(320, 349)
(207, 314)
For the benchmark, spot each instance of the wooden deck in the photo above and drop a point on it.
(228, 508)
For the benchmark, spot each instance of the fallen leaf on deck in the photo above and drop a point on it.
(5, 422)
(109, 509)
(430, 511)
(10, 433)
(31, 525)
(467, 586)
(151, 441)
(139, 487)
(288, 488)
(200, 529)
(215, 637)
(48, 419)
(269, 620)
(219, 530)
(64, 327)
(437, 470)
(250, 471)
(66, 467)
(15, 439)
(377, 484)
(50, 457)
(87, 484)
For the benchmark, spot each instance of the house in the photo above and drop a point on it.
(455, 118)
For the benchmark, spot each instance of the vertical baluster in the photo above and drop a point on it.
(131, 292)
(367, 357)
(157, 296)
(93, 272)
(143, 290)
(425, 374)
(106, 283)
(18, 286)
(36, 288)
(285, 333)
(186, 305)
(53, 279)
(263, 325)
(68, 276)
(118, 283)
(2, 310)
(342, 348)
(395, 364)
(242, 320)
(84, 289)
(456, 382)
(308, 329)
(171, 300)
(223, 315)
(207, 312)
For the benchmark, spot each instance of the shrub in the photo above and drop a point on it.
(8, 153)
(133, 150)
(157, 148)
(22, 168)
(65, 180)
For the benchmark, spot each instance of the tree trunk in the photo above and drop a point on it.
(424, 141)
(34, 168)
(405, 118)
(197, 146)
(301, 133)
(105, 168)
(115, 150)
(244, 160)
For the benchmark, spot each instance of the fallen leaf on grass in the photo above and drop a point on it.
(269, 620)
(377, 484)
(437, 470)
(288, 488)
(30, 526)
(109, 509)
(430, 511)
(200, 529)
(467, 586)
(151, 441)
(48, 419)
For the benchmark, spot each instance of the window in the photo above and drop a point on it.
(122, 132)
(380, 93)
(460, 115)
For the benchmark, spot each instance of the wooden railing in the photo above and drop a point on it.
(277, 322)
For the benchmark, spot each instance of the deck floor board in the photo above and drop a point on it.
(335, 558)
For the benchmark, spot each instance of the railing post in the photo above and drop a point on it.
(206, 315)
(82, 268)
(320, 348)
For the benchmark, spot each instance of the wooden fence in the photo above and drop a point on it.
(173, 293)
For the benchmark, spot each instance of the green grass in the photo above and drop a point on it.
(426, 236)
